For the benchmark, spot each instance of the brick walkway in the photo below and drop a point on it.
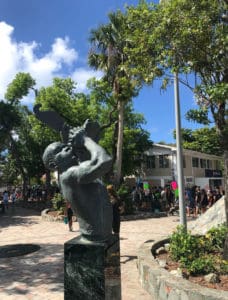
(39, 275)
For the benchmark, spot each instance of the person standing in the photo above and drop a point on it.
(198, 200)
(204, 201)
(191, 204)
(6, 199)
(116, 207)
(69, 215)
(135, 198)
(13, 197)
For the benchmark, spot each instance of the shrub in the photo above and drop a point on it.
(202, 265)
(184, 245)
(58, 202)
(196, 253)
(217, 236)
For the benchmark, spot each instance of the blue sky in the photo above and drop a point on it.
(49, 38)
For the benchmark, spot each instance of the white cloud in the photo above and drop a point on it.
(22, 57)
(80, 76)
(60, 51)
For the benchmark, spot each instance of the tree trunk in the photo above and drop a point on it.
(109, 177)
(24, 188)
(19, 164)
(119, 148)
(225, 250)
(48, 181)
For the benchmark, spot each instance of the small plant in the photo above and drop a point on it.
(196, 253)
(58, 202)
(216, 236)
(202, 265)
(183, 245)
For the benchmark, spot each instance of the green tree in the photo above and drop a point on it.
(13, 120)
(107, 54)
(187, 37)
(98, 105)
(63, 98)
(19, 87)
(204, 140)
(9, 119)
(135, 139)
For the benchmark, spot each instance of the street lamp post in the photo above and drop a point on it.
(180, 175)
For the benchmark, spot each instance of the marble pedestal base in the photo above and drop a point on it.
(92, 270)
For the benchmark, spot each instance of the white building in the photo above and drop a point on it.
(160, 167)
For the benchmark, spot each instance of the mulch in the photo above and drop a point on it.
(199, 279)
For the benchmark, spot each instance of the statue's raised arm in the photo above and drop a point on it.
(93, 160)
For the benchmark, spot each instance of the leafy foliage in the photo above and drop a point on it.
(58, 202)
(195, 253)
(189, 37)
(107, 54)
(125, 195)
(19, 87)
(204, 140)
(9, 120)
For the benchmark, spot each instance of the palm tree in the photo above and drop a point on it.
(107, 54)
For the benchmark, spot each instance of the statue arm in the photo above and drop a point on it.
(98, 164)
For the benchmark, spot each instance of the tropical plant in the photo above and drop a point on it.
(107, 54)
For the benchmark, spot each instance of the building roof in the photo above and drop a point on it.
(159, 149)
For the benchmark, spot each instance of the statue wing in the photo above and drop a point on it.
(51, 118)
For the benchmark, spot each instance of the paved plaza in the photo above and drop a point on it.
(39, 275)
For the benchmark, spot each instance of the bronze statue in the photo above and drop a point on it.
(80, 162)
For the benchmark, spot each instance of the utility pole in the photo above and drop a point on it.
(182, 208)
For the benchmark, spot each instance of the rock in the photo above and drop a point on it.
(166, 246)
(212, 278)
(178, 273)
(44, 212)
(162, 263)
(160, 250)
(214, 216)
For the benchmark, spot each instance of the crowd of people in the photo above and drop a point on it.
(155, 199)
(6, 197)
(164, 199)
(198, 200)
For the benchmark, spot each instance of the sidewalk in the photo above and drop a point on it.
(39, 275)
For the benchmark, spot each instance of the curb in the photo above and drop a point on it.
(49, 218)
(159, 283)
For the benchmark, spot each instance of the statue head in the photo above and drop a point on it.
(49, 156)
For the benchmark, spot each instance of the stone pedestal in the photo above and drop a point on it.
(92, 270)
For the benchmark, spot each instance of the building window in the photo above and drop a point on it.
(209, 164)
(184, 162)
(150, 162)
(195, 162)
(217, 165)
(203, 163)
(164, 161)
